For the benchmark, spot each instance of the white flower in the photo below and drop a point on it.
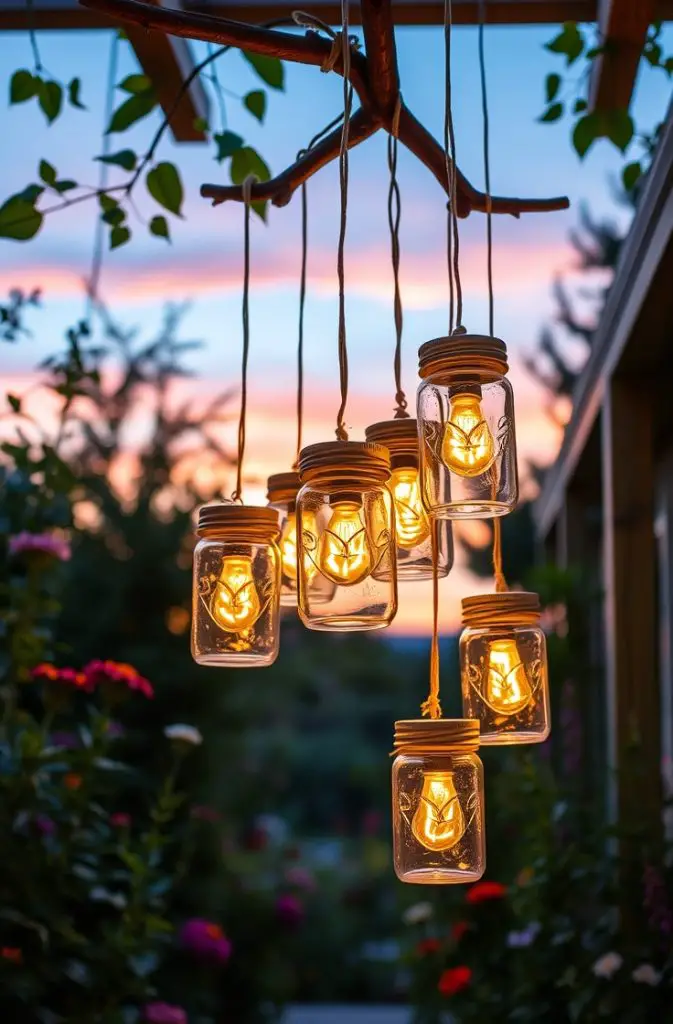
(417, 913)
(101, 895)
(607, 965)
(186, 733)
(646, 975)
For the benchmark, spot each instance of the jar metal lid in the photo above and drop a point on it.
(238, 522)
(511, 608)
(473, 357)
(342, 462)
(282, 488)
(400, 436)
(436, 735)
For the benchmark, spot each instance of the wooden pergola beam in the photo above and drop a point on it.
(623, 27)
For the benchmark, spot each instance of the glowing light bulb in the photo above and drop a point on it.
(412, 522)
(344, 554)
(468, 448)
(439, 822)
(288, 548)
(235, 603)
(507, 688)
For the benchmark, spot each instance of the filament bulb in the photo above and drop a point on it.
(468, 448)
(439, 822)
(411, 519)
(235, 603)
(288, 549)
(344, 554)
(507, 688)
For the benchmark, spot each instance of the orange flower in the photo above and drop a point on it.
(454, 980)
(12, 953)
(213, 931)
(483, 891)
(426, 947)
(72, 780)
(458, 930)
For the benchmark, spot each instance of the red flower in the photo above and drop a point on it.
(458, 930)
(426, 947)
(101, 672)
(68, 676)
(454, 980)
(483, 891)
(12, 953)
(120, 819)
(72, 780)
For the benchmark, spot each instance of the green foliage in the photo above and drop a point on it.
(570, 42)
(19, 218)
(269, 69)
(137, 106)
(164, 185)
(125, 158)
(255, 102)
(159, 226)
(227, 144)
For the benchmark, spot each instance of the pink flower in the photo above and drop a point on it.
(41, 544)
(289, 909)
(48, 673)
(300, 878)
(164, 1013)
(44, 824)
(99, 673)
(120, 820)
(205, 939)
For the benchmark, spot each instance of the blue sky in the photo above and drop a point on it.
(203, 264)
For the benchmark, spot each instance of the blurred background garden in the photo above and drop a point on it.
(184, 845)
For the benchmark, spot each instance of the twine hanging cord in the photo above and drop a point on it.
(431, 707)
(247, 200)
(394, 218)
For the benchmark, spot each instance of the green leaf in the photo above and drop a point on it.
(31, 193)
(14, 403)
(619, 128)
(74, 86)
(136, 84)
(114, 216)
(200, 124)
(132, 110)
(579, 106)
(227, 143)
(569, 42)
(552, 86)
(269, 69)
(107, 202)
(19, 219)
(23, 86)
(65, 185)
(159, 227)
(164, 185)
(256, 103)
(668, 65)
(587, 130)
(245, 161)
(125, 158)
(50, 98)
(630, 174)
(119, 236)
(47, 173)
(553, 112)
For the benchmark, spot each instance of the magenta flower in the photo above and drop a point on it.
(45, 825)
(99, 673)
(120, 820)
(289, 909)
(64, 739)
(205, 940)
(164, 1013)
(40, 544)
(48, 673)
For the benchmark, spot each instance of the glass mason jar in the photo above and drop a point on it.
(438, 802)
(236, 590)
(465, 410)
(503, 668)
(345, 529)
(413, 524)
(282, 489)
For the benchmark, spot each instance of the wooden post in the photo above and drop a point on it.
(632, 681)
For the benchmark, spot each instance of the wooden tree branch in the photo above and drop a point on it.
(375, 78)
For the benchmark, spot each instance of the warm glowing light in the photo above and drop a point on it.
(412, 522)
(439, 822)
(344, 554)
(235, 604)
(507, 688)
(288, 549)
(468, 448)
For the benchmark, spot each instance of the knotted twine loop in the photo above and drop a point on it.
(431, 706)
(246, 189)
(394, 217)
(437, 736)
(513, 608)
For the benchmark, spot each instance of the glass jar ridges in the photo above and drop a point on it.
(236, 588)
(282, 490)
(503, 661)
(438, 802)
(465, 412)
(413, 524)
(346, 535)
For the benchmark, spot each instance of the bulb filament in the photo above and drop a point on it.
(508, 690)
(235, 603)
(411, 519)
(438, 823)
(468, 448)
(344, 553)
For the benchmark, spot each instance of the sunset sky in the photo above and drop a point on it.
(204, 262)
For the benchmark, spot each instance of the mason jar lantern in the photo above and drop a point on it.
(438, 802)
(503, 668)
(236, 590)
(465, 412)
(282, 490)
(413, 524)
(346, 535)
